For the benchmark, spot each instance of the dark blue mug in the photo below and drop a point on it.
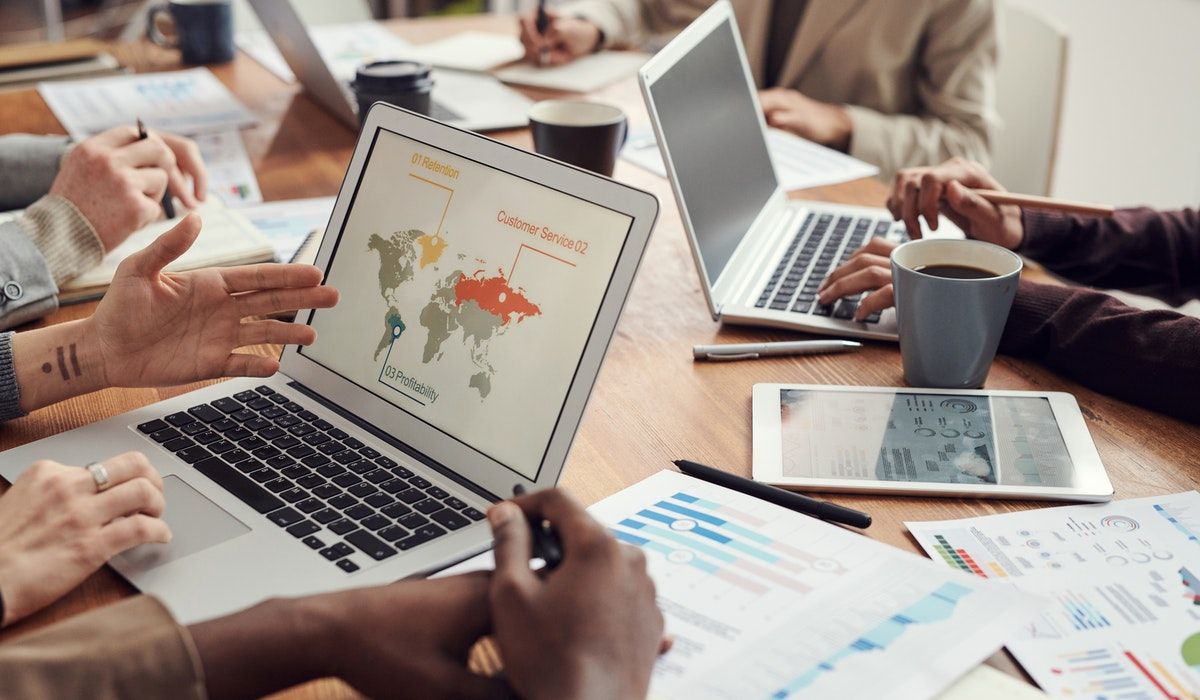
(203, 29)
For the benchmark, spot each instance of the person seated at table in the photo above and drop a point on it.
(896, 84)
(1145, 357)
(589, 629)
(81, 201)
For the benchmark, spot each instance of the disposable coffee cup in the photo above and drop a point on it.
(405, 84)
(203, 29)
(585, 134)
(952, 301)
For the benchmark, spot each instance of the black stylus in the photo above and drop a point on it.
(546, 544)
(780, 497)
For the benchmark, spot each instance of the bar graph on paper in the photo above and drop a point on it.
(1122, 618)
(766, 603)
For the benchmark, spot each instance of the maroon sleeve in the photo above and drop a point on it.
(1150, 358)
(1139, 250)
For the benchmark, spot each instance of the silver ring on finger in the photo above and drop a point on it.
(99, 475)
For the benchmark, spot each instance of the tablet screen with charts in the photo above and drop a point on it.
(929, 441)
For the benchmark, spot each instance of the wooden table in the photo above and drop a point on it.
(652, 403)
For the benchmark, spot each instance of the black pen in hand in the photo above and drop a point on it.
(167, 205)
(546, 544)
(542, 23)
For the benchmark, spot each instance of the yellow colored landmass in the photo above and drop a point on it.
(431, 249)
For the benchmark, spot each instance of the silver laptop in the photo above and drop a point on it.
(472, 101)
(759, 255)
(477, 304)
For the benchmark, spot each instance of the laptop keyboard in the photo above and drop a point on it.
(326, 488)
(823, 242)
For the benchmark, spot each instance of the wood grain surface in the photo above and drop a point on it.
(652, 403)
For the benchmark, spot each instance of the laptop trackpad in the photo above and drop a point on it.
(196, 523)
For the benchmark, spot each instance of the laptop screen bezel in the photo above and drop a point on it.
(718, 292)
(433, 443)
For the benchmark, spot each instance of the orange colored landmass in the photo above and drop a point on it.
(431, 249)
(494, 296)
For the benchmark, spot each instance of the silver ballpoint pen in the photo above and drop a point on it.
(753, 351)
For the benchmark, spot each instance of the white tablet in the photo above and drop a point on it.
(930, 442)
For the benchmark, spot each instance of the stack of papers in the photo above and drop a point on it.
(182, 102)
(1123, 584)
(767, 603)
(226, 238)
(799, 163)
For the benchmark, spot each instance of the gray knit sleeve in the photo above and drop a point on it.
(10, 393)
(28, 166)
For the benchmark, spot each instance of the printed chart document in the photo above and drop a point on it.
(184, 102)
(799, 163)
(767, 603)
(226, 238)
(230, 172)
(1124, 621)
(291, 224)
(585, 74)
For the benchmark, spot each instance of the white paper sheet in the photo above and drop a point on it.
(344, 47)
(288, 223)
(183, 102)
(586, 74)
(1124, 621)
(470, 51)
(230, 172)
(764, 602)
(799, 163)
(986, 683)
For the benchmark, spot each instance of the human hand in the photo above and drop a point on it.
(55, 529)
(117, 181)
(588, 629)
(412, 635)
(156, 328)
(869, 269)
(945, 188)
(566, 38)
(824, 123)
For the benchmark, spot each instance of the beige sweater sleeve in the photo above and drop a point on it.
(631, 23)
(63, 235)
(132, 649)
(956, 91)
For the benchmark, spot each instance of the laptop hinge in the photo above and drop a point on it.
(406, 449)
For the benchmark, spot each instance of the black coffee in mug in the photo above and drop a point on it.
(585, 134)
(203, 29)
(956, 272)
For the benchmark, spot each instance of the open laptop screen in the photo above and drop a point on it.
(710, 124)
(468, 295)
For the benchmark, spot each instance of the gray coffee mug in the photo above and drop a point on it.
(950, 327)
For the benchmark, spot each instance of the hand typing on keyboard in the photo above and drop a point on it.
(156, 328)
(868, 270)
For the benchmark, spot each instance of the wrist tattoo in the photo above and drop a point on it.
(63, 357)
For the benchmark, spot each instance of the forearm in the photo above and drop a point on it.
(895, 141)
(1139, 250)
(56, 363)
(269, 647)
(1144, 357)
